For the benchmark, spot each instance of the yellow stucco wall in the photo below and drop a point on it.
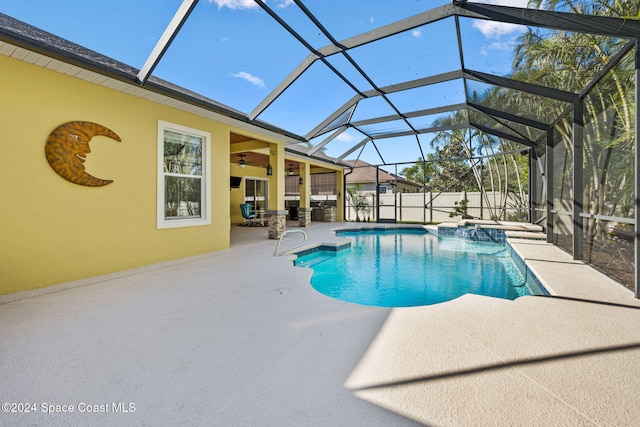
(53, 231)
(237, 197)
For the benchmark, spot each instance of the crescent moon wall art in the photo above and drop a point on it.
(67, 148)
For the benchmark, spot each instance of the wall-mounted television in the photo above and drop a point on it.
(235, 181)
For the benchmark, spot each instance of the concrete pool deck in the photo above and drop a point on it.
(238, 337)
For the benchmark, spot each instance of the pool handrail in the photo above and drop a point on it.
(275, 252)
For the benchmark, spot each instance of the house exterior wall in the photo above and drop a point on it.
(365, 186)
(53, 231)
(406, 188)
(371, 186)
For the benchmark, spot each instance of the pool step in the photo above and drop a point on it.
(531, 235)
(448, 225)
(315, 259)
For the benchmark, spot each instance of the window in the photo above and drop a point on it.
(183, 176)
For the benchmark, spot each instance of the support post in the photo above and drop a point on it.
(548, 177)
(430, 206)
(424, 194)
(304, 215)
(276, 213)
(533, 189)
(277, 180)
(424, 204)
(377, 200)
(578, 177)
(636, 209)
(481, 195)
(277, 223)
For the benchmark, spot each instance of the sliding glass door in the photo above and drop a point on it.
(256, 193)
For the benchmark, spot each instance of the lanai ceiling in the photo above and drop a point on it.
(364, 80)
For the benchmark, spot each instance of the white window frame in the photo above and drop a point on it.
(205, 199)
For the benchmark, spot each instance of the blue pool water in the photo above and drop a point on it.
(405, 268)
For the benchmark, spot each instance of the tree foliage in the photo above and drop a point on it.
(561, 60)
(570, 61)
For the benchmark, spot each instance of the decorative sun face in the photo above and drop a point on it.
(67, 148)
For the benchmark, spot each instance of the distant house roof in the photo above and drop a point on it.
(364, 173)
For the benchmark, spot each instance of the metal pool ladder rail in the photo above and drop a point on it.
(275, 252)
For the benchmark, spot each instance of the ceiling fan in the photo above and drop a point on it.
(242, 162)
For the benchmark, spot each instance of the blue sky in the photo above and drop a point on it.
(233, 52)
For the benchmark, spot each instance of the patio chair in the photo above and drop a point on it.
(249, 218)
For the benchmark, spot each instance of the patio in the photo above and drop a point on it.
(238, 337)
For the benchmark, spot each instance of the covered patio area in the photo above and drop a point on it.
(238, 337)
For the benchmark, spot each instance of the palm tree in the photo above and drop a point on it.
(570, 61)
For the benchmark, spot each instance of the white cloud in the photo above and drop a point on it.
(506, 46)
(371, 20)
(497, 45)
(513, 3)
(250, 78)
(416, 33)
(492, 29)
(345, 137)
(248, 4)
(224, 39)
(283, 4)
(235, 4)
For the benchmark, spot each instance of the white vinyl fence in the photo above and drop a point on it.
(436, 207)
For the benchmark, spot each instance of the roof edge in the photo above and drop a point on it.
(23, 35)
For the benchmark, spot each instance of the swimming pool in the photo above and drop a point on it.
(411, 267)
